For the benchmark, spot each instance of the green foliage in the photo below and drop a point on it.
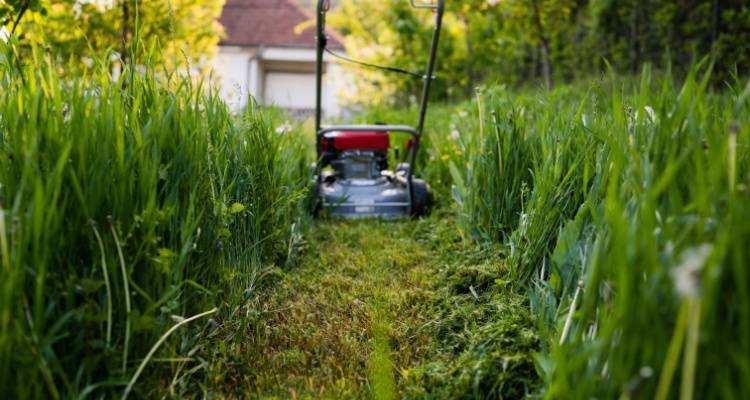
(630, 222)
(124, 208)
(512, 41)
(11, 11)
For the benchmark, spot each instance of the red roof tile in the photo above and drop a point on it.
(269, 23)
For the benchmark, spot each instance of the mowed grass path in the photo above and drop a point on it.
(349, 318)
(382, 310)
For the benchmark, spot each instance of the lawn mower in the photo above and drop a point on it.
(352, 175)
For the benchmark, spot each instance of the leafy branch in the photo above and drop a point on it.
(14, 10)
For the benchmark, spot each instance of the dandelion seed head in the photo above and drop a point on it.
(686, 276)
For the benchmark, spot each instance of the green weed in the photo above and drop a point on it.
(127, 206)
(621, 208)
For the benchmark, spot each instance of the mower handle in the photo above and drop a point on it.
(322, 8)
(430, 6)
(439, 9)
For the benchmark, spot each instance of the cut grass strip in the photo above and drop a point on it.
(380, 364)
(378, 309)
(325, 329)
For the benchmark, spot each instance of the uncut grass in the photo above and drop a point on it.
(631, 221)
(126, 206)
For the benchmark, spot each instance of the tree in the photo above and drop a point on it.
(543, 41)
(185, 31)
(386, 34)
(526, 41)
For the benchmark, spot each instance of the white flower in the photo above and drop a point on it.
(287, 127)
(686, 275)
(455, 134)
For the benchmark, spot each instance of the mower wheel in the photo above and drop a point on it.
(423, 199)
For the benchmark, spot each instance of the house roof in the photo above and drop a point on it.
(269, 23)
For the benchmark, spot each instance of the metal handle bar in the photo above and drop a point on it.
(322, 9)
(430, 6)
(368, 128)
(325, 5)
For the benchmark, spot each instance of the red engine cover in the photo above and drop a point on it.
(353, 140)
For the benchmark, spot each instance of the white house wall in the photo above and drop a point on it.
(237, 75)
(291, 90)
(292, 54)
(277, 75)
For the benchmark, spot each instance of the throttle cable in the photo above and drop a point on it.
(365, 64)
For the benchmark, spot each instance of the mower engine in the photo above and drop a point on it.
(358, 183)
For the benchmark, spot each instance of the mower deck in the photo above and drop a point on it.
(364, 198)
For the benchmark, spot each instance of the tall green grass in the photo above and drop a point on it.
(623, 206)
(126, 206)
